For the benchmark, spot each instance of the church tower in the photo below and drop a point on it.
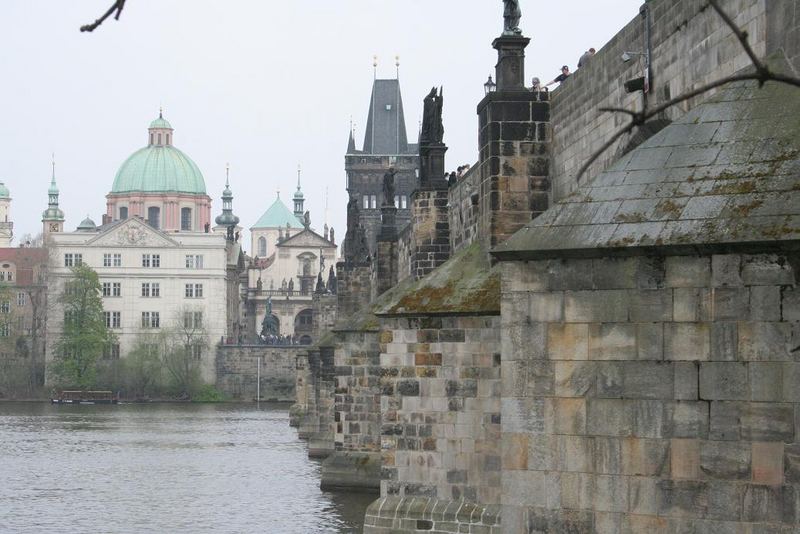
(385, 146)
(6, 226)
(52, 217)
(298, 199)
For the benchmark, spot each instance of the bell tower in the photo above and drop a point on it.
(52, 217)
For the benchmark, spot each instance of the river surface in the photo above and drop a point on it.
(162, 468)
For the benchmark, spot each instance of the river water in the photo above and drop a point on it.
(162, 468)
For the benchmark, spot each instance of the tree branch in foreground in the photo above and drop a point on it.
(762, 74)
(118, 5)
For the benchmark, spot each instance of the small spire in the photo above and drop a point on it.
(375, 67)
(279, 192)
(53, 179)
(298, 177)
(227, 175)
(397, 65)
(160, 112)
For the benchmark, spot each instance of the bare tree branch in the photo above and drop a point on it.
(118, 5)
(762, 74)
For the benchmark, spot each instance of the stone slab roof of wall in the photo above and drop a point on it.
(725, 175)
(464, 285)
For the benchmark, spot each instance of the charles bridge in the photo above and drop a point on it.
(539, 351)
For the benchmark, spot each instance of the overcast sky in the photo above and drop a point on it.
(263, 84)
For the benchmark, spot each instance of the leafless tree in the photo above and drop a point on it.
(117, 6)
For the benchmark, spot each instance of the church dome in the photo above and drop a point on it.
(4, 192)
(158, 169)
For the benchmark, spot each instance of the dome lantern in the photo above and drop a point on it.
(298, 198)
(160, 131)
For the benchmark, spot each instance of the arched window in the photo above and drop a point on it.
(186, 219)
(167, 138)
(123, 213)
(151, 138)
(154, 216)
(262, 246)
(159, 139)
(306, 267)
(304, 321)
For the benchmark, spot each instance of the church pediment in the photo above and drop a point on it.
(132, 233)
(307, 239)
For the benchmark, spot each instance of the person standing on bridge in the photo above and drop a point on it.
(561, 77)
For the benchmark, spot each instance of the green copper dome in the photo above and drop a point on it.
(157, 169)
(87, 225)
(4, 192)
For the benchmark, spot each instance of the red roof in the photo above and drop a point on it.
(26, 260)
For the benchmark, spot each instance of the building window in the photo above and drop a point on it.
(113, 319)
(73, 260)
(5, 329)
(403, 202)
(151, 289)
(20, 300)
(159, 139)
(186, 219)
(5, 306)
(366, 202)
(192, 320)
(112, 260)
(197, 352)
(194, 261)
(167, 138)
(10, 276)
(151, 138)
(374, 201)
(154, 216)
(151, 260)
(111, 352)
(262, 246)
(151, 320)
(193, 291)
(396, 201)
(123, 213)
(106, 289)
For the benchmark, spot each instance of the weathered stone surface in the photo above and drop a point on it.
(725, 460)
(723, 381)
(687, 341)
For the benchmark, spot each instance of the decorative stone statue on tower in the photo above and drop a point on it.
(432, 126)
(269, 326)
(388, 187)
(307, 219)
(512, 15)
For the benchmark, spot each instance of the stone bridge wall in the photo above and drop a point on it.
(464, 210)
(237, 369)
(691, 46)
(651, 394)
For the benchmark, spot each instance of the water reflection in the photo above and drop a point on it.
(162, 468)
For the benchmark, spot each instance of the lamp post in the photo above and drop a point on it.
(490, 86)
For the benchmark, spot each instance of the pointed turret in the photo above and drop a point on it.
(298, 199)
(227, 220)
(386, 123)
(52, 217)
(351, 143)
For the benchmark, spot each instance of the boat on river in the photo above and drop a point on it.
(85, 397)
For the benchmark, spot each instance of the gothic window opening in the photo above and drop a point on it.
(262, 246)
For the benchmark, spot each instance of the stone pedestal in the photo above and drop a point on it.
(510, 68)
(386, 260)
(430, 238)
(353, 287)
(431, 166)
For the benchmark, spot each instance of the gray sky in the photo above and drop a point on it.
(261, 84)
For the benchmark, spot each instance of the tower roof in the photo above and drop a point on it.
(386, 123)
(276, 216)
(4, 192)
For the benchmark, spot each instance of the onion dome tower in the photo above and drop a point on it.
(52, 217)
(160, 184)
(298, 199)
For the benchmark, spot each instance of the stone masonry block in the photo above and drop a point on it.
(687, 341)
(612, 341)
(648, 380)
(723, 381)
(787, 382)
(608, 455)
(724, 341)
(686, 380)
(768, 463)
(567, 341)
(685, 459)
(642, 496)
(682, 498)
(650, 305)
(688, 271)
(611, 493)
(575, 378)
(691, 304)
(790, 304)
(765, 341)
(547, 307)
(767, 422)
(650, 419)
(650, 341)
(767, 269)
(725, 460)
(765, 303)
(577, 491)
(596, 306)
(791, 463)
(609, 380)
(724, 420)
(609, 417)
(576, 454)
(731, 303)
(766, 381)
(726, 270)
(689, 420)
(569, 416)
